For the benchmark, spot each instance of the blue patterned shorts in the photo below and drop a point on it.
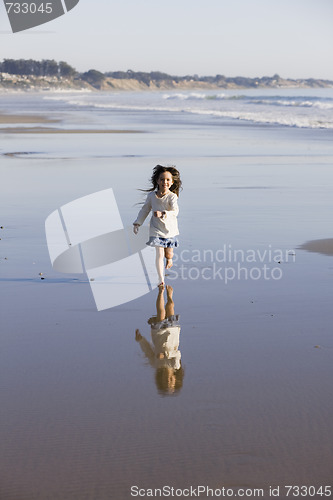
(156, 241)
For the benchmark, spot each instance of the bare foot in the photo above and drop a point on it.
(169, 290)
(161, 286)
(168, 263)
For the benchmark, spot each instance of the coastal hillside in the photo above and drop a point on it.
(29, 74)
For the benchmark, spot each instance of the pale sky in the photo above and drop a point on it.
(293, 38)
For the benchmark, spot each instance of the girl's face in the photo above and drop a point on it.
(164, 182)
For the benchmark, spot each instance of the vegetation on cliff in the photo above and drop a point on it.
(48, 74)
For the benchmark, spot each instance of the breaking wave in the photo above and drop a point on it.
(290, 109)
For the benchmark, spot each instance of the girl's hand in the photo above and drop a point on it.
(158, 214)
(136, 228)
(138, 335)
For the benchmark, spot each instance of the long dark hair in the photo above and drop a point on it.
(161, 380)
(158, 170)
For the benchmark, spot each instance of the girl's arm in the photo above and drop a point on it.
(173, 209)
(146, 347)
(142, 215)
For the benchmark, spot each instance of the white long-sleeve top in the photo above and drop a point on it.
(165, 341)
(166, 227)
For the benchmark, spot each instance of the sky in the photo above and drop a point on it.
(251, 38)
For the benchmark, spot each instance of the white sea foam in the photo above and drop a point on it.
(295, 103)
(266, 118)
(65, 92)
(288, 109)
(192, 96)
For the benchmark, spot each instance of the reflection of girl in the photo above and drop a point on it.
(163, 354)
(162, 200)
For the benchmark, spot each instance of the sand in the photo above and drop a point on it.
(82, 415)
(20, 119)
(323, 246)
(45, 130)
(25, 118)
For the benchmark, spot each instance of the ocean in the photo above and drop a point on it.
(301, 108)
(306, 108)
(201, 123)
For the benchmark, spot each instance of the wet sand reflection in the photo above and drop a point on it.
(163, 352)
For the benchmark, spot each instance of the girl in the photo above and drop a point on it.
(162, 200)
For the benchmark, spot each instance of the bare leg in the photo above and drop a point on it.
(160, 264)
(170, 306)
(160, 310)
(168, 253)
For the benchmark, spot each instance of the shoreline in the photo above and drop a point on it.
(16, 83)
(46, 130)
(6, 119)
(136, 86)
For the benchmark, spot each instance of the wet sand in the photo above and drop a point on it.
(324, 246)
(25, 119)
(82, 417)
(45, 130)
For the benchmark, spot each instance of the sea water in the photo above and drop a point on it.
(305, 108)
(180, 124)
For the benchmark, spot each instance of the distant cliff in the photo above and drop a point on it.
(49, 75)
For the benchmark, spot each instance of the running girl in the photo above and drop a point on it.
(162, 200)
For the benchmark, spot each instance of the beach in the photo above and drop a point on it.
(83, 417)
